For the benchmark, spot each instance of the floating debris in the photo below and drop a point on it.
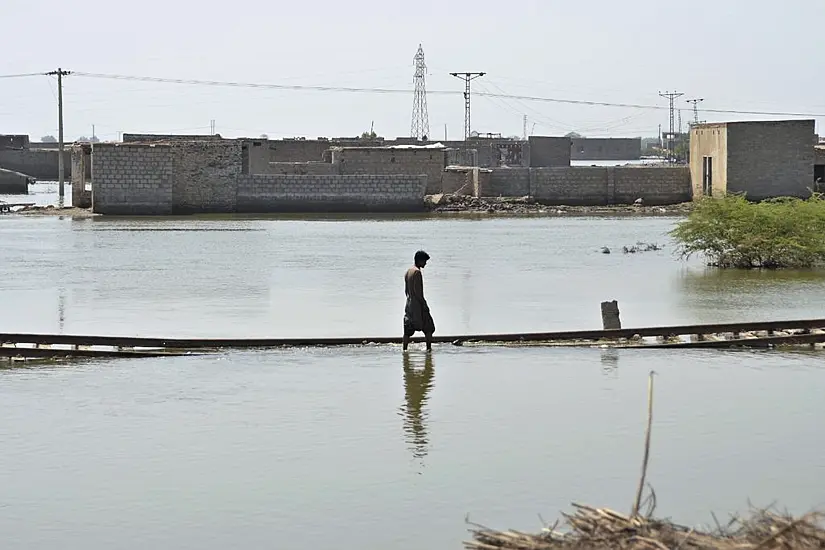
(641, 247)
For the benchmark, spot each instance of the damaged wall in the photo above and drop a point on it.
(202, 176)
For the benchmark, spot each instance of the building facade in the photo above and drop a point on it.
(762, 159)
(606, 148)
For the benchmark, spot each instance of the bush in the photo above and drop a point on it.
(732, 232)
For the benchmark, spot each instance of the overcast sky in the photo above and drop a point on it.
(747, 55)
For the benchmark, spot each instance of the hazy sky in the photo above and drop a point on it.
(751, 55)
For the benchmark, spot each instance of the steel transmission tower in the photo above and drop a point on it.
(420, 126)
(467, 77)
(696, 103)
(672, 97)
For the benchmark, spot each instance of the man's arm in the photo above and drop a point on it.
(418, 281)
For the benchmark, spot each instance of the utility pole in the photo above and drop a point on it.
(60, 73)
(420, 125)
(671, 96)
(467, 78)
(525, 128)
(696, 103)
(212, 127)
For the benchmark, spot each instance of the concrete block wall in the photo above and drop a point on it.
(606, 148)
(579, 185)
(386, 161)
(132, 179)
(482, 181)
(334, 193)
(548, 152)
(303, 168)
(37, 163)
(164, 138)
(205, 175)
(507, 182)
(461, 157)
(190, 177)
(591, 186)
(81, 175)
(465, 180)
(297, 150)
(655, 185)
(770, 158)
(457, 180)
(494, 152)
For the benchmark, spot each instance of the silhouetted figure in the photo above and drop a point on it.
(417, 316)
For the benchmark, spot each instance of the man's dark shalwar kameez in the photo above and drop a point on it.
(417, 316)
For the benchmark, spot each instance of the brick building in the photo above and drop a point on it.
(763, 159)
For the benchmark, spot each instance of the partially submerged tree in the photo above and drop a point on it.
(731, 232)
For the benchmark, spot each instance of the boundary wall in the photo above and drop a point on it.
(210, 176)
(592, 186)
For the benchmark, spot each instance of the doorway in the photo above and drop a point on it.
(707, 176)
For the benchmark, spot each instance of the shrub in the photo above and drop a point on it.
(732, 232)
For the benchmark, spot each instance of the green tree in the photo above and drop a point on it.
(731, 232)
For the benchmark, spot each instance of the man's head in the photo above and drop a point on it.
(421, 258)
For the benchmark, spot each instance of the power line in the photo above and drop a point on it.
(21, 75)
(346, 89)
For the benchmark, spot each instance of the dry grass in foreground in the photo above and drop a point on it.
(600, 528)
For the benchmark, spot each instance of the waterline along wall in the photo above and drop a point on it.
(211, 176)
(592, 186)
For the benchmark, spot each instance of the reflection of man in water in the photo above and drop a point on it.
(416, 312)
(418, 382)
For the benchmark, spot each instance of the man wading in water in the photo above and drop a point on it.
(417, 313)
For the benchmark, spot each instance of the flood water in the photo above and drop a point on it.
(361, 447)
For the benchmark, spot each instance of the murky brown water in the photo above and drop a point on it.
(358, 447)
